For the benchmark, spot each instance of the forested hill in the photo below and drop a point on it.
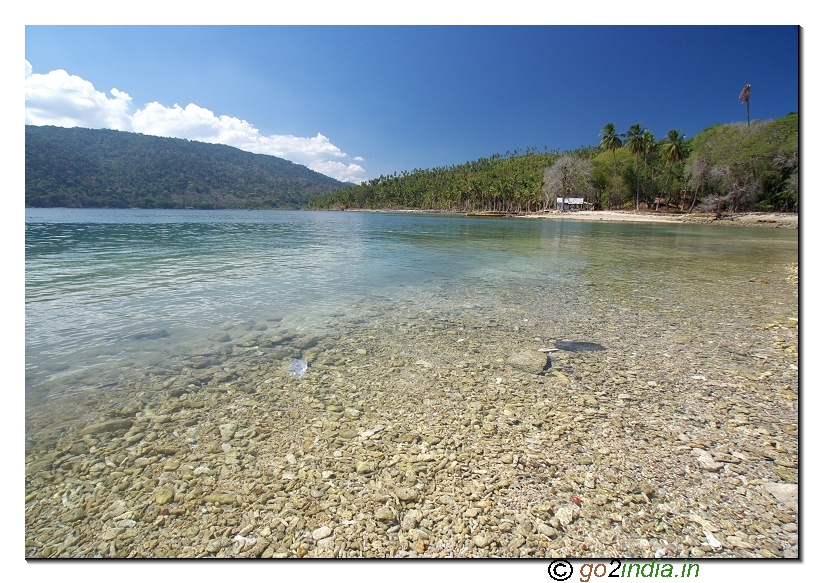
(724, 168)
(79, 167)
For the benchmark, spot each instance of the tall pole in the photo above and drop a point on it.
(744, 96)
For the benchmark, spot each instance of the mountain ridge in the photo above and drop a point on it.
(102, 168)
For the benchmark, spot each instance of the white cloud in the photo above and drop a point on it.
(359, 159)
(348, 173)
(57, 98)
(60, 99)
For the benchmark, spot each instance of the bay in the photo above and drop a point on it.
(112, 293)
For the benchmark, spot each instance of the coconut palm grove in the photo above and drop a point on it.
(726, 168)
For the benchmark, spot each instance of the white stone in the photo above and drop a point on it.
(546, 530)
(227, 431)
(705, 460)
(321, 533)
(326, 543)
(566, 515)
(713, 542)
(785, 493)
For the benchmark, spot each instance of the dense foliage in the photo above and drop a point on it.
(737, 168)
(724, 168)
(511, 183)
(78, 167)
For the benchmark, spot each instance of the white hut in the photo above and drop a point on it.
(572, 203)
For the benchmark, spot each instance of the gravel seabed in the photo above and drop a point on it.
(411, 435)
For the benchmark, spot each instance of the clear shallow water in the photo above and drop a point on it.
(115, 290)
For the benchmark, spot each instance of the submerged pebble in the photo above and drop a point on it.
(578, 346)
(402, 442)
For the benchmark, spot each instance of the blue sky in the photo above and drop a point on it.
(393, 98)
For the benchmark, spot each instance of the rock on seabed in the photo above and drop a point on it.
(530, 361)
(578, 346)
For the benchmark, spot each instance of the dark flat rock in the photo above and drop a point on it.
(578, 346)
(305, 342)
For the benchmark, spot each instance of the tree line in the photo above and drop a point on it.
(725, 168)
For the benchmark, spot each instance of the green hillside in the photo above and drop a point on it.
(79, 167)
(724, 168)
(742, 168)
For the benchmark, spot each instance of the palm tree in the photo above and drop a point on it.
(674, 150)
(610, 140)
(649, 147)
(634, 141)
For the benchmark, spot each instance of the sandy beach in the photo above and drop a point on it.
(775, 220)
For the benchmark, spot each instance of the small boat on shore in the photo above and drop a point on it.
(486, 214)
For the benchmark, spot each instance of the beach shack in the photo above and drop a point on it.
(572, 204)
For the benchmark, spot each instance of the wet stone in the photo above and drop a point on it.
(107, 426)
(79, 448)
(305, 342)
(227, 431)
(530, 361)
(578, 346)
(221, 499)
(164, 495)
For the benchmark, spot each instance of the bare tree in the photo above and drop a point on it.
(698, 176)
(568, 177)
(788, 163)
(740, 182)
(712, 203)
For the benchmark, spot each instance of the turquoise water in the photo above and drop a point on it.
(116, 291)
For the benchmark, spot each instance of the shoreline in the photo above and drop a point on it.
(755, 219)
(768, 219)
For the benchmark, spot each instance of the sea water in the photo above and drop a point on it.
(113, 292)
